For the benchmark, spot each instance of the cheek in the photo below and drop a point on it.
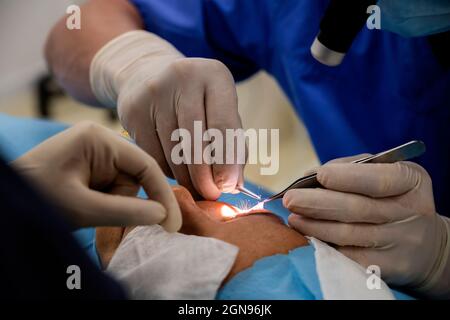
(262, 213)
(219, 211)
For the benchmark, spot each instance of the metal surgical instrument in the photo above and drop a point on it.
(248, 193)
(404, 152)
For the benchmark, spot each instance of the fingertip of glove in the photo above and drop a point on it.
(173, 222)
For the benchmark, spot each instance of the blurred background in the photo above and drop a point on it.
(27, 90)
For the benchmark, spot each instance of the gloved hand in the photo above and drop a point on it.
(156, 91)
(379, 214)
(414, 18)
(93, 175)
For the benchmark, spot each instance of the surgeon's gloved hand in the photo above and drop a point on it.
(379, 214)
(157, 91)
(414, 18)
(93, 175)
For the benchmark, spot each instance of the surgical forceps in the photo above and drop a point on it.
(404, 152)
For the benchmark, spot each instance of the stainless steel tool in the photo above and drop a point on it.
(404, 152)
(249, 193)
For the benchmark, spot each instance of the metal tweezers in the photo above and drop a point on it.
(404, 152)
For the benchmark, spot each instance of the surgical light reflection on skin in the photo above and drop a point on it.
(228, 212)
(231, 212)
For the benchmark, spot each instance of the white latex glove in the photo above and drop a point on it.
(93, 175)
(379, 214)
(157, 90)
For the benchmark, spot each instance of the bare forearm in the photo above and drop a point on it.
(70, 52)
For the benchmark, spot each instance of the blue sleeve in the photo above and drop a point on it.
(232, 31)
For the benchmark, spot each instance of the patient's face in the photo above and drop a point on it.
(257, 234)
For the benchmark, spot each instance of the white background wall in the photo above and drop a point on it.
(24, 25)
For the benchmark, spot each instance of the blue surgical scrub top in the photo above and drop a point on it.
(388, 90)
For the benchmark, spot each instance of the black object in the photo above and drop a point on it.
(340, 24)
(36, 248)
(440, 45)
(46, 91)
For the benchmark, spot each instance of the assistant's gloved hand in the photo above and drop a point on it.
(157, 90)
(414, 18)
(379, 214)
(93, 175)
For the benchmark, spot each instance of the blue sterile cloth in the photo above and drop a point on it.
(291, 276)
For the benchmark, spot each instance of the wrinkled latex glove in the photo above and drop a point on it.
(157, 90)
(93, 175)
(414, 18)
(379, 214)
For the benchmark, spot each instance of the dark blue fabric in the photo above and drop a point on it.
(36, 248)
(389, 89)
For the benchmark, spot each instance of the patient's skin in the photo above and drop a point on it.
(257, 234)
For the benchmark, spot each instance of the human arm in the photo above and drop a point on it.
(155, 88)
(69, 52)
